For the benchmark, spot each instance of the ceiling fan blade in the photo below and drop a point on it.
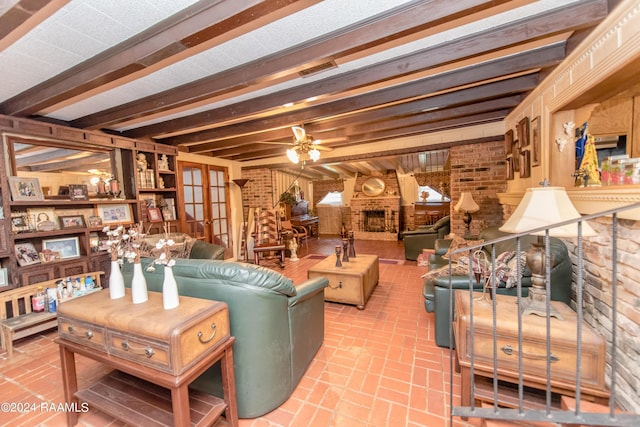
(322, 148)
(298, 132)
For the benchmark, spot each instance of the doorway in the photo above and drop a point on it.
(205, 195)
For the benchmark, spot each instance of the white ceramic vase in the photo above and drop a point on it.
(116, 281)
(170, 297)
(138, 285)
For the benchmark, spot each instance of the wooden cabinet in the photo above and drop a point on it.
(156, 182)
(59, 252)
(563, 348)
(54, 158)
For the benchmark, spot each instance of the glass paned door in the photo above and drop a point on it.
(206, 203)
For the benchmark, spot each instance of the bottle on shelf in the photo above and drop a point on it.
(38, 301)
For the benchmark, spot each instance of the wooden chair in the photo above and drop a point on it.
(299, 233)
(267, 236)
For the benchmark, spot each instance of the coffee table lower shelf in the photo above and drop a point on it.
(139, 402)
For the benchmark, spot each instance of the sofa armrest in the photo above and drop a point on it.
(308, 289)
(441, 246)
(204, 250)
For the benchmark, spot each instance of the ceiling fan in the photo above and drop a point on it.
(304, 145)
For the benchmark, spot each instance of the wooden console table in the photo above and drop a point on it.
(563, 338)
(155, 347)
(352, 283)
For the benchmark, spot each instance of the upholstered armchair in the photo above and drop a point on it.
(424, 237)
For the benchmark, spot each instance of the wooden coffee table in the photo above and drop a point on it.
(352, 283)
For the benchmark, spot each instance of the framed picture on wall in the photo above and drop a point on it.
(510, 168)
(523, 132)
(535, 141)
(508, 142)
(525, 164)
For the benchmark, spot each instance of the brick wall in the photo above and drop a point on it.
(479, 169)
(598, 295)
(258, 193)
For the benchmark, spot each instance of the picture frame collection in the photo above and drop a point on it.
(523, 148)
(54, 246)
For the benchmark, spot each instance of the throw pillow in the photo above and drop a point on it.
(459, 243)
(456, 270)
(507, 271)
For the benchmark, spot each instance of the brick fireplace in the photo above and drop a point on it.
(376, 217)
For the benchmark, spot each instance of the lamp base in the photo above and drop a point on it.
(536, 303)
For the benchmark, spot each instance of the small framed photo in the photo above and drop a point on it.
(169, 210)
(43, 218)
(71, 221)
(26, 254)
(25, 189)
(20, 222)
(78, 192)
(115, 213)
(4, 277)
(154, 214)
(95, 221)
(49, 256)
(68, 247)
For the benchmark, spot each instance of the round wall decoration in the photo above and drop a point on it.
(373, 186)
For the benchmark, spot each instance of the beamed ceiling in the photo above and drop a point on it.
(372, 80)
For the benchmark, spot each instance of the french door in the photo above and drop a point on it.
(205, 197)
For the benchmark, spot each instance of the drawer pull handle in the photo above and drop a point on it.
(213, 334)
(508, 350)
(147, 351)
(89, 334)
(338, 286)
(70, 329)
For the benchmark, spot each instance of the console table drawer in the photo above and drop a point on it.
(562, 336)
(141, 350)
(170, 341)
(534, 353)
(82, 332)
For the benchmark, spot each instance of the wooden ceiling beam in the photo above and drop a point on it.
(173, 39)
(517, 84)
(546, 56)
(381, 29)
(542, 25)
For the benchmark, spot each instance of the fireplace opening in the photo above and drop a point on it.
(374, 221)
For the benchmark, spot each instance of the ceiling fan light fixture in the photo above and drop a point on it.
(314, 154)
(292, 155)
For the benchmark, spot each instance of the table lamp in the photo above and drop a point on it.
(543, 207)
(467, 205)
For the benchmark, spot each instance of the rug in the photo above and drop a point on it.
(380, 260)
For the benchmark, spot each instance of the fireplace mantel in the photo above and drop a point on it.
(591, 200)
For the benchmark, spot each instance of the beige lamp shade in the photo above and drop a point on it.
(544, 206)
(466, 204)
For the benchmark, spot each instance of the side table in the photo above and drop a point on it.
(563, 357)
(155, 347)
